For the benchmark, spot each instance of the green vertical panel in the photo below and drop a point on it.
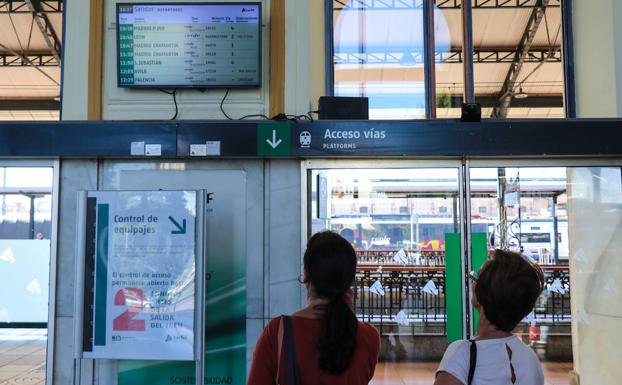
(479, 255)
(101, 274)
(453, 286)
(225, 319)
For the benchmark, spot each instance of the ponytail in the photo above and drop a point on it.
(330, 263)
(338, 338)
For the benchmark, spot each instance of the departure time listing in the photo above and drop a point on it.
(189, 45)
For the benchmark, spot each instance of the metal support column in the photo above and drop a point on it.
(568, 60)
(429, 59)
(467, 51)
(555, 230)
(503, 215)
(329, 48)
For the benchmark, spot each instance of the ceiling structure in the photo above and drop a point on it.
(378, 52)
(30, 57)
(518, 67)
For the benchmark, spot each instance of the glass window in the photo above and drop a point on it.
(518, 67)
(378, 53)
(401, 243)
(25, 256)
(526, 218)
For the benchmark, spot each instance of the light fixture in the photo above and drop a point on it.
(521, 94)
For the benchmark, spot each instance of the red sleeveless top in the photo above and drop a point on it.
(306, 335)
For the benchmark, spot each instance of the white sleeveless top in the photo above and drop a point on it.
(494, 366)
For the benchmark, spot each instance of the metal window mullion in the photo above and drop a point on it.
(329, 48)
(429, 59)
(467, 49)
(568, 60)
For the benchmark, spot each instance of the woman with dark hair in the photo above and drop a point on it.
(505, 292)
(328, 345)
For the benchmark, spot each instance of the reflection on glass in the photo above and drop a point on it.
(525, 210)
(518, 69)
(378, 53)
(448, 60)
(25, 233)
(397, 219)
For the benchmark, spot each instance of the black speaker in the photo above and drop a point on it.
(471, 112)
(343, 108)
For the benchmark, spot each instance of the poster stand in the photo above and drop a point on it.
(140, 276)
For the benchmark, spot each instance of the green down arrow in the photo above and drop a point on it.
(181, 229)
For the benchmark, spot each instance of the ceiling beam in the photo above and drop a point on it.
(28, 59)
(524, 48)
(379, 5)
(21, 6)
(45, 27)
(481, 55)
(29, 105)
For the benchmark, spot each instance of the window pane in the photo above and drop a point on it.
(517, 76)
(378, 53)
(448, 60)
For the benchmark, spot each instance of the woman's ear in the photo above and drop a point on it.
(474, 300)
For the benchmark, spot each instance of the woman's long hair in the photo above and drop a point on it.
(330, 264)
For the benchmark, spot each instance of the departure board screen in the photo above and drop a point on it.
(189, 45)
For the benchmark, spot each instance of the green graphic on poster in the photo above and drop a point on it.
(225, 302)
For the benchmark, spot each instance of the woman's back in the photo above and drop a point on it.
(499, 361)
(306, 333)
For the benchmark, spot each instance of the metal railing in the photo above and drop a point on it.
(409, 298)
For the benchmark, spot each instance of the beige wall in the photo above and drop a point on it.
(594, 208)
(75, 65)
(131, 104)
(598, 57)
(304, 71)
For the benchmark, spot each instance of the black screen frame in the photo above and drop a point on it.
(194, 86)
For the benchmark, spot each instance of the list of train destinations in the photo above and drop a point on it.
(187, 45)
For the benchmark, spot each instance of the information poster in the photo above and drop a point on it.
(143, 245)
(225, 356)
(200, 45)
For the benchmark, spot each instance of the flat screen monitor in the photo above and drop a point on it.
(189, 45)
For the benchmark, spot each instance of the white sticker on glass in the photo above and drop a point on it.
(430, 288)
(377, 288)
(7, 255)
(557, 287)
(401, 257)
(401, 318)
(582, 317)
(580, 256)
(530, 319)
(34, 287)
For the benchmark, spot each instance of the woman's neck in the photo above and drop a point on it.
(314, 309)
(487, 331)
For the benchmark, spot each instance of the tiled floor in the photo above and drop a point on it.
(22, 361)
(22, 356)
(422, 373)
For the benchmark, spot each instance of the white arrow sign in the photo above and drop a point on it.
(274, 143)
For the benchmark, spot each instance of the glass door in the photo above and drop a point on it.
(404, 224)
(26, 269)
(561, 218)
